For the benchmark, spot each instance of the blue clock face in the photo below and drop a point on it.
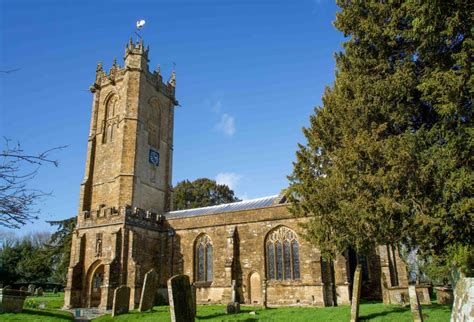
(154, 157)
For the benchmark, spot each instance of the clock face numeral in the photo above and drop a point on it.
(154, 157)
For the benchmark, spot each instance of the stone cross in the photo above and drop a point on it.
(414, 304)
(150, 286)
(121, 300)
(356, 286)
(179, 293)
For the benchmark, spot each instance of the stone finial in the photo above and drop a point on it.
(172, 80)
(99, 67)
(158, 70)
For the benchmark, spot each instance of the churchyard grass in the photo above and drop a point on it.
(368, 311)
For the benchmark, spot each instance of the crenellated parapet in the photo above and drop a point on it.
(136, 59)
(126, 214)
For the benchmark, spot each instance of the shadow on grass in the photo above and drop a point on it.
(48, 314)
(395, 310)
(222, 314)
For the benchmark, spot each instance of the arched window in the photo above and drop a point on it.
(282, 255)
(203, 259)
(111, 110)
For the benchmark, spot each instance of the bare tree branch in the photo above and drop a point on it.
(17, 199)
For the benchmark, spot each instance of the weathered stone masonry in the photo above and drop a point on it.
(125, 227)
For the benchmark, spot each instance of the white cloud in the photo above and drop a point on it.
(230, 179)
(226, 124)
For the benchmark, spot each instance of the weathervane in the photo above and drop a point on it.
(140, 24)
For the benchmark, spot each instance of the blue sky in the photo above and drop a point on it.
(249, 74)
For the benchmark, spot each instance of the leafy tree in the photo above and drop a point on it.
(388, 157)
(17, 169)
(25, 260)
(201, 193)
(59, 248)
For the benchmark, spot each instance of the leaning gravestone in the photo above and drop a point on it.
(181, 306)
(31, 289)
(150, 286)
(121, 300)
(415, 304)
(356, 294)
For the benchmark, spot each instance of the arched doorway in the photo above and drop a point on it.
(255, 288)
(96, 280)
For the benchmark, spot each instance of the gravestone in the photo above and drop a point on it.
(55, 290)
(31, 289)
(150, 286)
(463, 306)
(11, 300)
(39, 291)
(180, 298)
(233, 307)
(193, 298)
(121, 300)
(414, 304)
(356, 286)
(24, 289)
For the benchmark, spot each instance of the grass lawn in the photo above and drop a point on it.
(368, 311)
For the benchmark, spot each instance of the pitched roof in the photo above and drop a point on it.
(227, 207)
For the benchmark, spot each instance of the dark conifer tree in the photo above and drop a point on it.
(388, 157)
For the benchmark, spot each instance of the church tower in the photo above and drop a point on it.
(127, 182)
(129, 155)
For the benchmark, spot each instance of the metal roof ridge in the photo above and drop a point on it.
(224, 205)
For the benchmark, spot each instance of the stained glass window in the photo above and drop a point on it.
(209, 262)
(287, 257)
(271, 260)
(296, 259)
(282, 256)
(203, 261)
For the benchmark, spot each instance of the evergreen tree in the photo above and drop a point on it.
(388, 157)
(59, 248)
(201, 192)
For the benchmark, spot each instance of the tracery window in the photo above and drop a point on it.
(110, 120)
(203, 259)
(282, 255)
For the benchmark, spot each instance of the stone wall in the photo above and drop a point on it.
(252, 227)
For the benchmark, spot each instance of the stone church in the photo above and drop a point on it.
(125, 226)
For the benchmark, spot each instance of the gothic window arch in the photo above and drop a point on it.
(203, 259)
(282, 254)
(110, 119)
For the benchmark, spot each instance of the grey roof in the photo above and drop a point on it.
(228, 207)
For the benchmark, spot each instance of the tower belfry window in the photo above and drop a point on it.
(110, 120)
